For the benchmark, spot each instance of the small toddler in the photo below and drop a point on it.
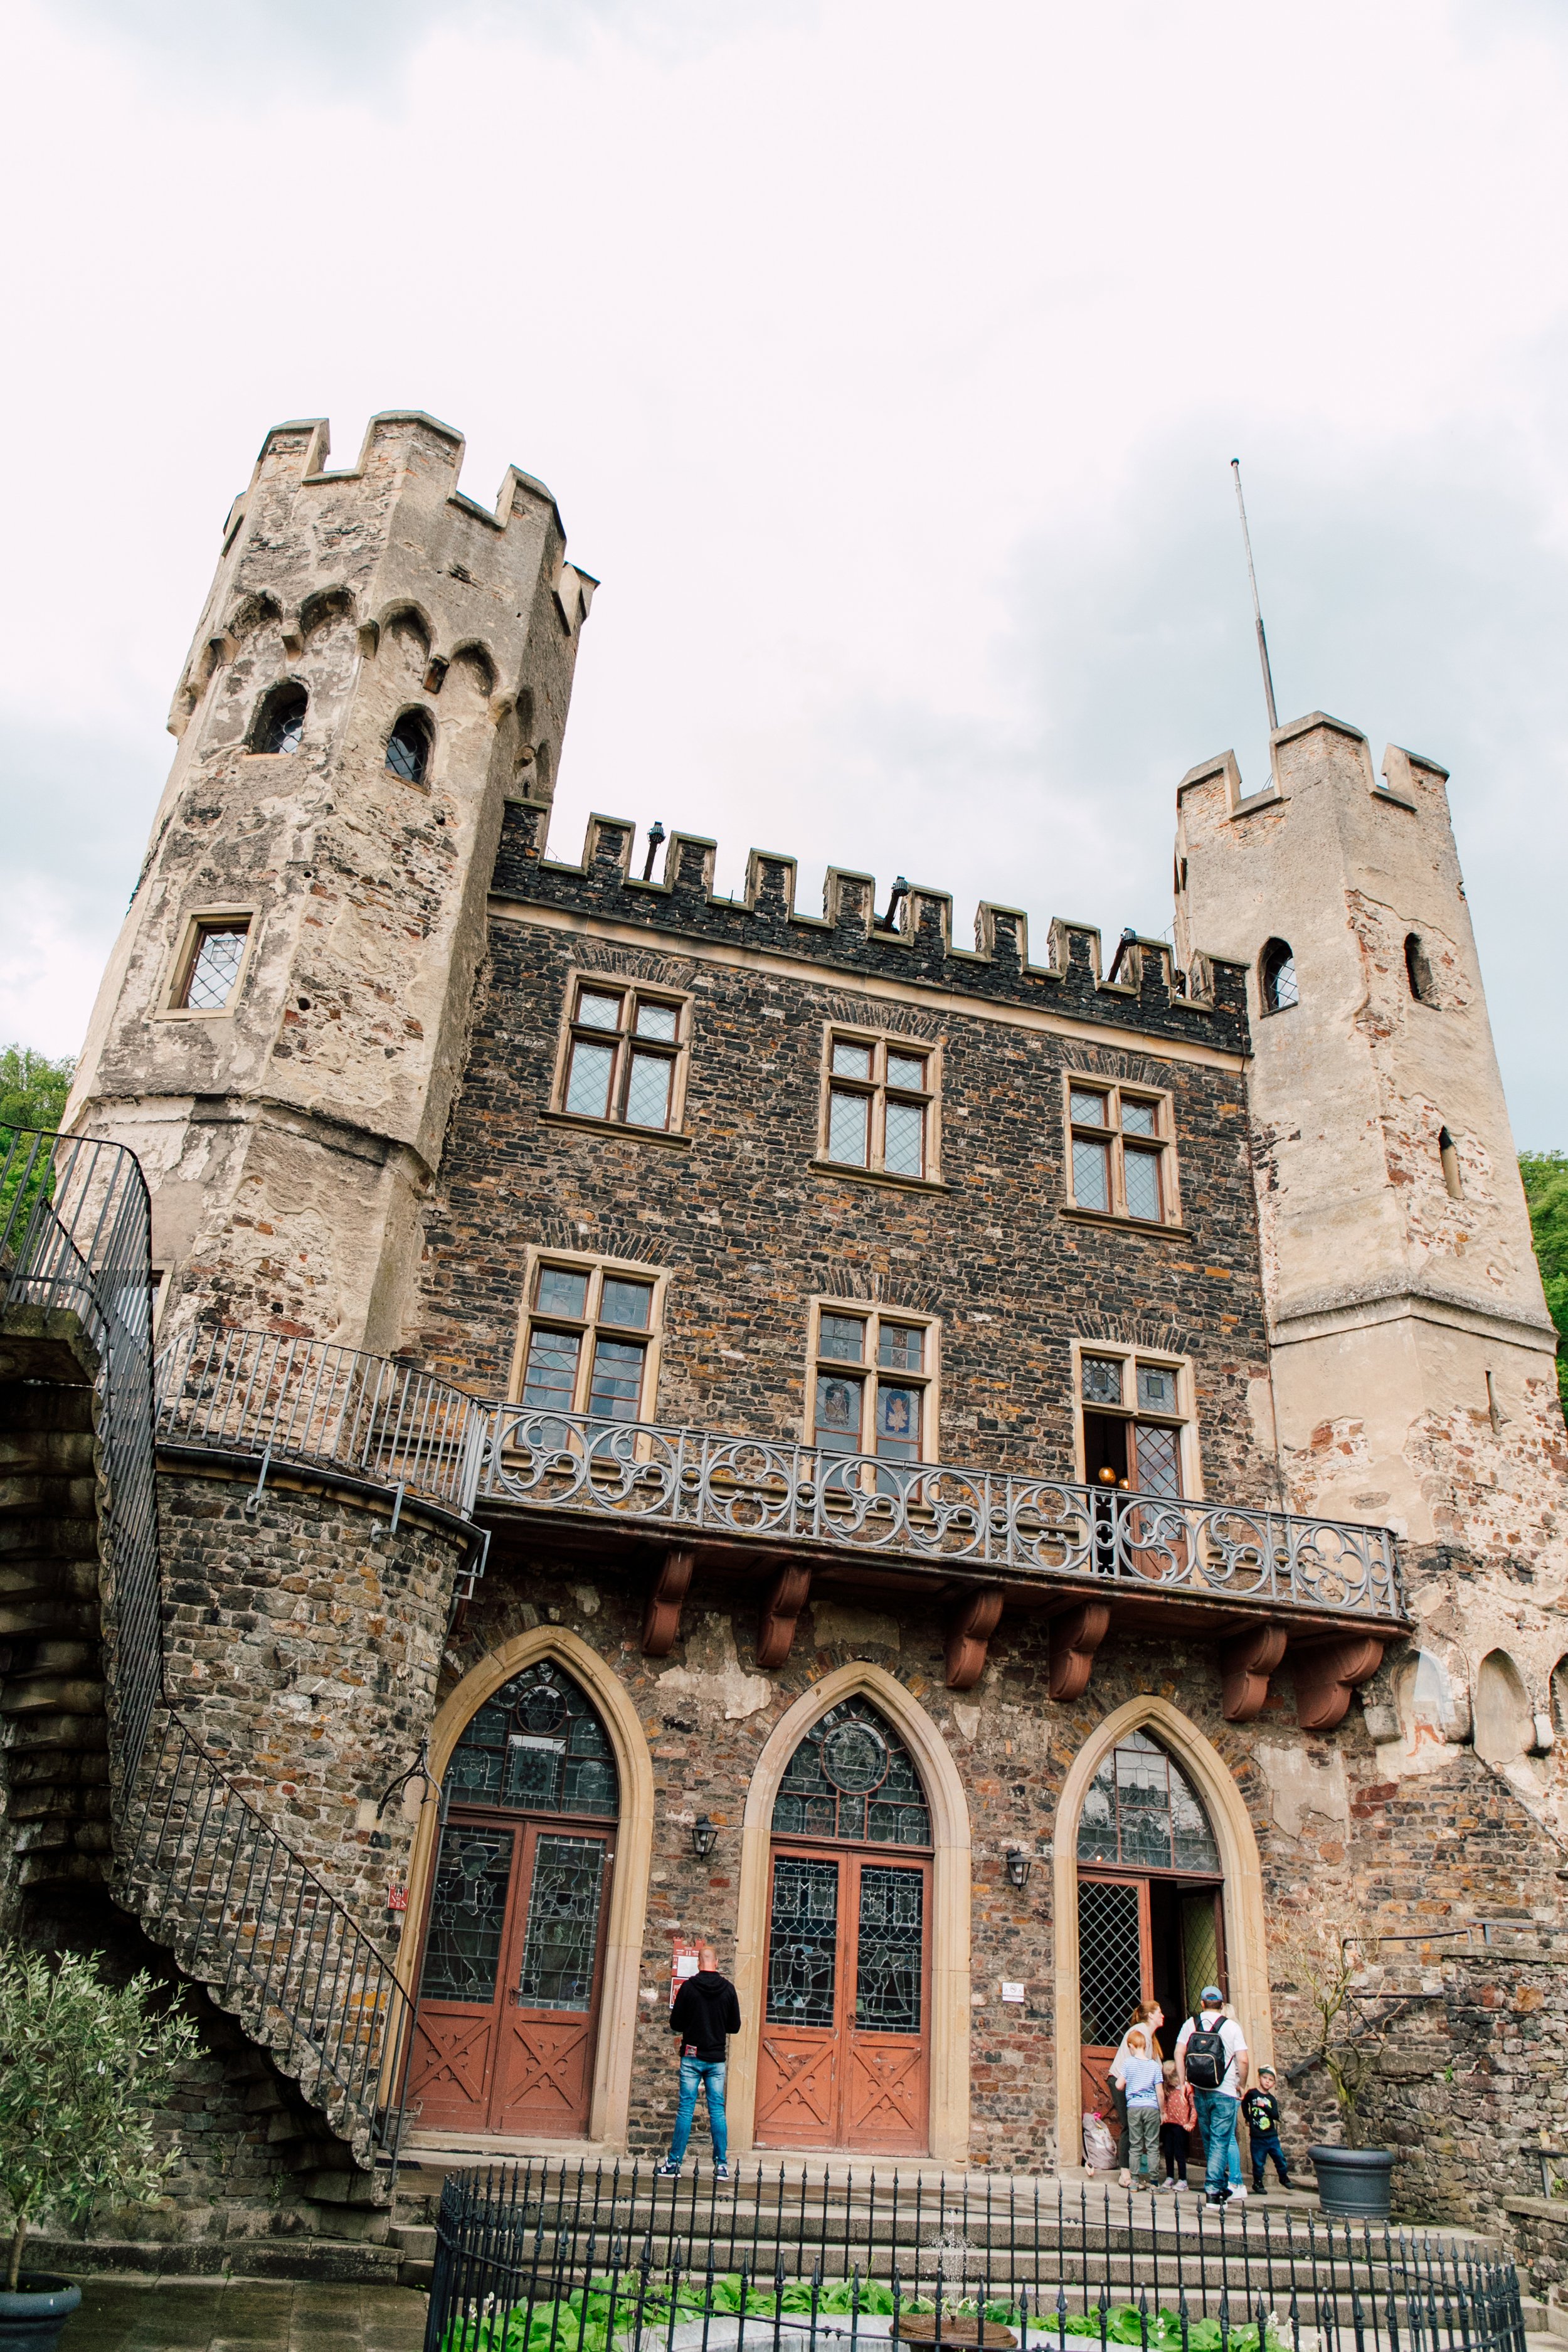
(1140, 2077)
(1181, 2114)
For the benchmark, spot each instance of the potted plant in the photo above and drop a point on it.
(85, 2068)
(1353, 2179)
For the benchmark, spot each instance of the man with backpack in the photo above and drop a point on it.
(1211, 2055)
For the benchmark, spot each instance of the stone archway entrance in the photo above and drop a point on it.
(1238, 1902)
(843, 2059)
(513, 1975)
(1151, 1908)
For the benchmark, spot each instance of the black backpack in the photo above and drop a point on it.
(1206, 2056)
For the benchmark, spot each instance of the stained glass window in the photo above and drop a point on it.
(888, 1966)
(537, 1747)
(468, 1912)
(1142, 1810)
(563, 1937)
(852, 1777)
(803, 1950)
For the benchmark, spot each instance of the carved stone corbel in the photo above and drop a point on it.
(661, 1618)
(1245, 1662)
(1328, 1672)
(969, 1631)
(1075, 1637)
(785, 1597)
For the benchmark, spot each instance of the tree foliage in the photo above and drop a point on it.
(1545, 1175)
(33, 1089)
(85, 2069)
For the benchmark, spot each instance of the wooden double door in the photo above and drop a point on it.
(844, 2054)
(1142, 1937)
(509, 2008)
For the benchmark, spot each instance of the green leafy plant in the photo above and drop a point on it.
(33, 1089)
(1545, 1179)
(1319, 1963)
(85, 2068)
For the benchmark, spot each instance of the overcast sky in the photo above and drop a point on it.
(886, 360)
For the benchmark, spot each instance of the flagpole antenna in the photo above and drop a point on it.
(1256, 608)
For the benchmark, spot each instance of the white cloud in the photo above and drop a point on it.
(887, 363)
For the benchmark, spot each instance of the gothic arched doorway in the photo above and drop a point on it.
(1150, 1914)
(844, 2057)
(513, 1960)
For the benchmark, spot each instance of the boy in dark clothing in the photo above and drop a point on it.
(704, 2013)
(1261, 2110)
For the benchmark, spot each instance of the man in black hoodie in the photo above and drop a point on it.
(704, 2013)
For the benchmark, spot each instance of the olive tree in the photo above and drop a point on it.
(85, 2068)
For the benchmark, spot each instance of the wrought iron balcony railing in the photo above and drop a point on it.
(331, 1408)
(693, 1482)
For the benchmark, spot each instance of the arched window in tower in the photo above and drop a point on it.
(844, 2058)
(281, 722)
(409, 746)
(1277, 977)
(1419, 971)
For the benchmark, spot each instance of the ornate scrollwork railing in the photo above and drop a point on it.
(692, 1481)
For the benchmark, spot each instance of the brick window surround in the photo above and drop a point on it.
(1136, 1421)
(623, 1057)
(880, 1095)
(871, 1381)
(591, 1336)
(1121, 1151)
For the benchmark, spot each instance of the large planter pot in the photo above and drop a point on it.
(1354, 2182)
(31, 2318)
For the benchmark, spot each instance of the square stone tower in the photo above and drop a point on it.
(1413, 1354)
(381, 665)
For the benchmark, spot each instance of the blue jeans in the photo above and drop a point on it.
(706, 2074)
(1217, 2121)
(1265, 2145)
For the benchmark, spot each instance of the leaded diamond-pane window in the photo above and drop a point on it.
(214, 966)
(1110, 1961)
(537, 1745)
(852, 1777)
(1142, 1812)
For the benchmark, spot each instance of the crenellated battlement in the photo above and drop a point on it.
(912, 942)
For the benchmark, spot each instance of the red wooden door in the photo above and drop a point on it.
(843, 2059)
(510, 1993)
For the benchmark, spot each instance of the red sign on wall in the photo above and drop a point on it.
(397, 1899)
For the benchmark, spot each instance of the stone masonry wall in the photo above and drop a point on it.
(1338, 1843)
(304, 1648)
(748, 1229)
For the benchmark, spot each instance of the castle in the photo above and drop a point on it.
(992, 1487)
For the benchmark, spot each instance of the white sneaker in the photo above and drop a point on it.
(1175, 2186)
(1238, 2196)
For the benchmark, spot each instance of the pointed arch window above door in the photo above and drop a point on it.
(852, 1777)
(1142, 1812)
(537, 1745)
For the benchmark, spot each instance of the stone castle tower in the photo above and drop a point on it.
(1412, 1354)
(280, 1027)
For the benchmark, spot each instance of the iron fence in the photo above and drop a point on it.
(76, 1241)
(694, 1481)
(537, 2259)
(304, 1400)
(254, 1924)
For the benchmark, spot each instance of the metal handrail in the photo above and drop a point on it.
(76, 1241)
(247, 1915)
(336, 1407)
(647, 1473)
